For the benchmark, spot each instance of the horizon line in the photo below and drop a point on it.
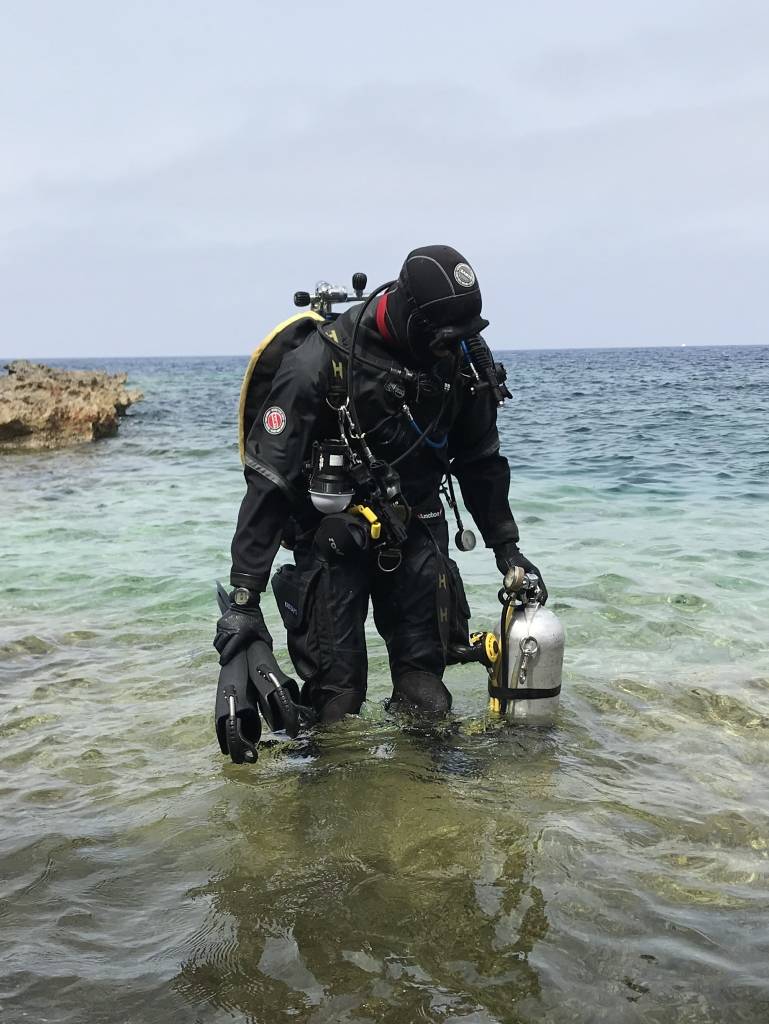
(547, 348)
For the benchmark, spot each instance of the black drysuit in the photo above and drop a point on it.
(324, 602)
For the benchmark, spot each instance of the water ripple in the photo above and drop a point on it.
(613, 868)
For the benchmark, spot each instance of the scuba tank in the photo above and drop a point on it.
(525, 664)
(525, 684)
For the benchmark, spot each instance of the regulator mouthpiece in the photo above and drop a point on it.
(331, 487)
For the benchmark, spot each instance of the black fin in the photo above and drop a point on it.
(238, 734)
(278, 693)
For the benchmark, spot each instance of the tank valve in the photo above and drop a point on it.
(326, 295)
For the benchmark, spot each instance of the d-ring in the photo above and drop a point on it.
(389, 553)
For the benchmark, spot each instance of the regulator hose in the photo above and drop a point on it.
(507, 597)
(478, 353)
(353, 342)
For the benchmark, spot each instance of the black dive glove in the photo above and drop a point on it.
(508, 557)
(238, 628)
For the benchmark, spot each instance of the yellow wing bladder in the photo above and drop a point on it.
(255, 357)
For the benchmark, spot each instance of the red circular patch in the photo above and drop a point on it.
(274, 420)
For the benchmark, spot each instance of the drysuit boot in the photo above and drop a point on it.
(420, 691)
(347, 703)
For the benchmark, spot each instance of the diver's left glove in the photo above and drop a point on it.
(238, 627)
(508, 557)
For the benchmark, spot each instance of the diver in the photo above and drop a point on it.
(352, 425)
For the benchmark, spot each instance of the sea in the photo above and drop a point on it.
(614, 867)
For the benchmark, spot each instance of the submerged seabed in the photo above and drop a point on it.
(613, 869)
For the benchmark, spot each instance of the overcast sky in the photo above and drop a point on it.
(171, 171)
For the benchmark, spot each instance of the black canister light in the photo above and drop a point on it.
(331, 486)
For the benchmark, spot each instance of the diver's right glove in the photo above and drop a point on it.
(508, 557)
(238, 627)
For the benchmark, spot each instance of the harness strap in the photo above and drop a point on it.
(522, 693)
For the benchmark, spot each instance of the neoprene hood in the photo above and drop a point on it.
(436, 300)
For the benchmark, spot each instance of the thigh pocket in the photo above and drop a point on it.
(459, 614)
(295, 595)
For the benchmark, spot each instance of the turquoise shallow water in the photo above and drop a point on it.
(615, 868)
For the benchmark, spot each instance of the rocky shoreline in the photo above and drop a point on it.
(43, 407)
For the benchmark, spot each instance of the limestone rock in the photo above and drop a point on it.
(43, 407)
